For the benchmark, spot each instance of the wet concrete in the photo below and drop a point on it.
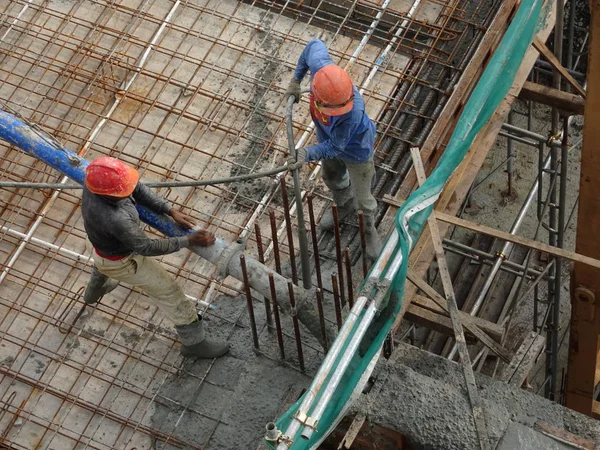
(255, 155)
(225, 403)
(423, 397)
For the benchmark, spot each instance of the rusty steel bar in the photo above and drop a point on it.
(363, 242)
(290, 233)
(336, 300)
(338, 252)
(296, 324)
(315, 242)
(249, 301)
(275, 242)
(319, 296)
(348, 264)
(261, 259)
(276, 314)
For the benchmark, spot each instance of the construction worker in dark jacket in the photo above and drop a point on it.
(345, 136)
(123, 250)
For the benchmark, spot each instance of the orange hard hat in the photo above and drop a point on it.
(333, 91)
(111, 177)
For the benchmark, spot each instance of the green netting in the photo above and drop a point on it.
(495, 83)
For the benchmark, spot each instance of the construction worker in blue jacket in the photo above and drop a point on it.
(345, 136)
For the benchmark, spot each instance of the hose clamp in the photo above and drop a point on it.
(305, 420)
(226, 256)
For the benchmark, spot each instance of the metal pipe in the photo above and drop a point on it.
(506, 249)
(302, 241)
(324, 370)
(221, 254)
(88, 260)
(484, 257)
(340, 369)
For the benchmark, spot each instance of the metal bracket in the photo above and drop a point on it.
(305, 420)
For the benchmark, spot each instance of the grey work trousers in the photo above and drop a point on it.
(152, 278)
(339, 175)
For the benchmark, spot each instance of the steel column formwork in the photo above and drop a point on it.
(584, 348)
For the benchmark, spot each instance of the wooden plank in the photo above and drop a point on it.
(434, 320)
(584, 342)
(559, 252)
(494, 330)
(503, 235)
(564, 436)
(539, 45)
(545, 95)
(456, 190)
(459, 334)
(469, 322)
(519, 368)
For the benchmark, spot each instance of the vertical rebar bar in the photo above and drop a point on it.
(296, 325)
(338, 252)
(249, 301)
(302, 241)
(276, 314)
(348, 264)
(336, 300)
(315, 242)
(261, 259)
(288, 226)
(510, 166)
(275, 241)
(363, 242)
(319, 295)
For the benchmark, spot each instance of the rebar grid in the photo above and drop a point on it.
(207, 102)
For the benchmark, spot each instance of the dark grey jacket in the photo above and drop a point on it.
(113, 226)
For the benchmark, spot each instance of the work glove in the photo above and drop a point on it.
(296, 163)
(293, 89)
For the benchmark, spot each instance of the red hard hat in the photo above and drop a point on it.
(111, 177)
(333, 91)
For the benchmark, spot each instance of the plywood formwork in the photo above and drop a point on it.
(183, 91)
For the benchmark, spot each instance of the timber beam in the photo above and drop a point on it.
(565, 101)
(426, 312)
(584, 344)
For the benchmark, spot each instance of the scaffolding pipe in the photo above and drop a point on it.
(506, 249)
(221, 254)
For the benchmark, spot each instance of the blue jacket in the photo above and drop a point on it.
(349, 137)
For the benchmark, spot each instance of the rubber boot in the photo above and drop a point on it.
(373, 241)
(346, 204)
(98, 286)
(195, 344)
